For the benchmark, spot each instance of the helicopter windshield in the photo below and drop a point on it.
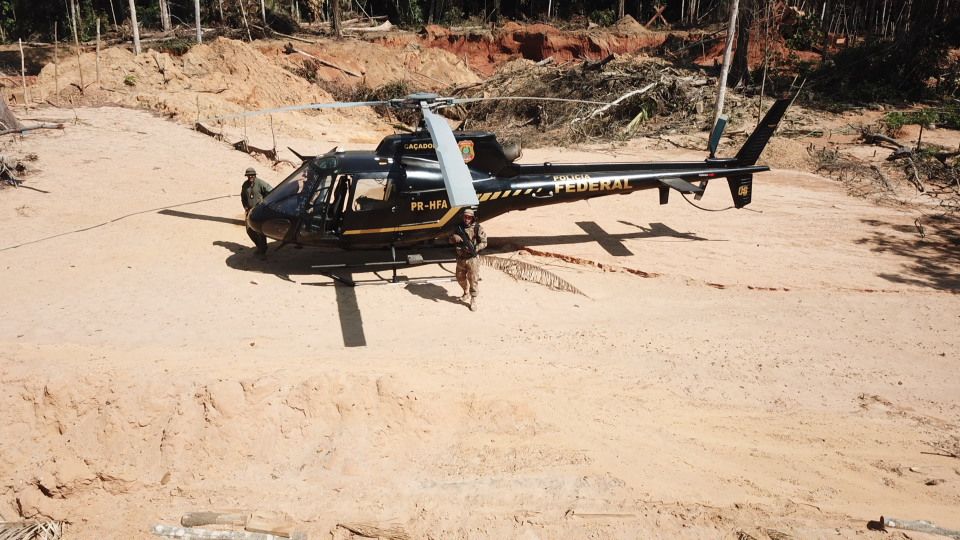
(291, 195)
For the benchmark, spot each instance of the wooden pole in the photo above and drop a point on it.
(725, 70)
(243, 13)
(113, 13)
(76, 45)
(98, 51)
(23, 75)
(56, 62)
(274, 134)
(165, 21)
(196, 17)
(335, 17)
(136, 28)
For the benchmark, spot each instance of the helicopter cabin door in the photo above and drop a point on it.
(324, 215)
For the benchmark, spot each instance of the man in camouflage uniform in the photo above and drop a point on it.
(469, 239)
(251, 194)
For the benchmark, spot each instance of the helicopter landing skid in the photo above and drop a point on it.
(411, 260)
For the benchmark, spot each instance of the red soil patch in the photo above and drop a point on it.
(485, 50)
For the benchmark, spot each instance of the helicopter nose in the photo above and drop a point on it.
(265, 221)
(254, 218)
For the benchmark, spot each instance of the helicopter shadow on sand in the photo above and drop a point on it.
(288, 261)
(612, 243)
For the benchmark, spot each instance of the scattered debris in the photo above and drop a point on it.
(290, 49)
(375, 531)
(949, 447)
(919, 526)
(31, 530)
(525, 271)
(643, 89)
(189, 533)
(192, 533)
(25, 129)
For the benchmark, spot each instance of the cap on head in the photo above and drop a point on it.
(469, 213)
(251, 171)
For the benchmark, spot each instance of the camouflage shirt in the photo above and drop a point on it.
(477, 237)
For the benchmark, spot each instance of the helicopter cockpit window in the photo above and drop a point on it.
(371, 193)
(311, 176)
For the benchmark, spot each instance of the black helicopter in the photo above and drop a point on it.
(412, 188)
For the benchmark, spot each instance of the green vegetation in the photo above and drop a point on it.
(176, 46)
(603, 17)
(947, 116)
(912, 67)
(807, 34)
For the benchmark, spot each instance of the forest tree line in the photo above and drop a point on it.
(872, 19)
(871, 50)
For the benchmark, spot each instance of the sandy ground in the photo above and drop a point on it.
(785, 370)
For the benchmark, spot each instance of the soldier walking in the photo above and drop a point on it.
(468, 240)
(252, 193)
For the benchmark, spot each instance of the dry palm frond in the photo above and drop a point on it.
(31, 530)
(525, 271)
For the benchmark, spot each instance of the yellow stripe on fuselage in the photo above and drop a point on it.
(435, 225)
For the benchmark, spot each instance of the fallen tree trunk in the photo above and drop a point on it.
(7, 118)
(374, 531)
(919, 526)
(24, 129)
(207, 131)
(900, 150)
(385, 27)
(243, 146)
(290, 49)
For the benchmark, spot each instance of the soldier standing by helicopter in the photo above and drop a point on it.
(469, 239)
(252, 193)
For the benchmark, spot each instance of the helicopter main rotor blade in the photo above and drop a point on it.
(456, 175)
(307, 107)
(715, 134)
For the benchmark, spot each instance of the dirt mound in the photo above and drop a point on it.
(383, 62)
(629, 25)
(132, 436)
(223, 77)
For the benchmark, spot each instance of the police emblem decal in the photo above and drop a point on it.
(466, 150)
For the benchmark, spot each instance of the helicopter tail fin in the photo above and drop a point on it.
(750, 151)
(741, 189)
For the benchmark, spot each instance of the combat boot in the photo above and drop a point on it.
(465, 298)
(473, 303)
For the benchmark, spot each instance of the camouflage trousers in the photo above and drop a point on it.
(468, 274)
